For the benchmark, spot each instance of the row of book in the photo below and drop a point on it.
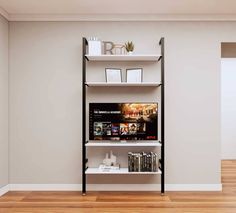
(143, 162)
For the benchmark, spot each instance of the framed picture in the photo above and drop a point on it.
(134, 75)
(113, 75)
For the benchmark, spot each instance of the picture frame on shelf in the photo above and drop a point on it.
(113, 75)
(134, 75)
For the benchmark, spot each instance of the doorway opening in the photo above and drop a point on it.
(228, 113)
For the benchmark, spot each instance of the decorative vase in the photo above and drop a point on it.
(130, 53)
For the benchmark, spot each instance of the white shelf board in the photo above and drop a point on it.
(123, 84)
(134, 57)
(134, 144)
(121, 171)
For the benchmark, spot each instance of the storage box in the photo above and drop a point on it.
(94, 47)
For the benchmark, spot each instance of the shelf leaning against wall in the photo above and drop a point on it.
(86, 58)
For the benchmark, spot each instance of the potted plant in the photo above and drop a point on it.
(129, 46)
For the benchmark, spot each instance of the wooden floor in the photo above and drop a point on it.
(130, 202)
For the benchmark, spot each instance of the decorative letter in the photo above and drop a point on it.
(108, 44)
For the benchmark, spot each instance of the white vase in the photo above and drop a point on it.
(130, 53)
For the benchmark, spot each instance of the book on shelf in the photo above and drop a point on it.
(105, 168)
(143, 162)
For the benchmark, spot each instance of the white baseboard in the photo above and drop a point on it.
(4, 190)
(45, 187)
(114, 187)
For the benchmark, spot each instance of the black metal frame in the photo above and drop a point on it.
(84, 158)
(162, 44)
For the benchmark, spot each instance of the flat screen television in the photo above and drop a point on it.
(123, 121)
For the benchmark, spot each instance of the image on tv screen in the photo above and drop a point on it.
(123, 121)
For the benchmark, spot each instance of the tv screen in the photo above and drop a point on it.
(123, 121)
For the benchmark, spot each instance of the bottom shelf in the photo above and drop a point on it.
(121, 171)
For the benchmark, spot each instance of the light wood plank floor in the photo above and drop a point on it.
(129, 202)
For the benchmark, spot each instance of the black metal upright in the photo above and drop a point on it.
(162, 115)
(84, 160)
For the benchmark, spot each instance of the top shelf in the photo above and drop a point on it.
(123, 57)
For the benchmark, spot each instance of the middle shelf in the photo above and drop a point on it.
(136, 144)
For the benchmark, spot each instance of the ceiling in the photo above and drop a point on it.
(13, 9)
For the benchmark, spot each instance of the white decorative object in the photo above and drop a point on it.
(104, 167)
(94, 46)
(134, 75)
(110, 161)
(113, 75)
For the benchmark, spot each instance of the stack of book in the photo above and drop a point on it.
(143, 162)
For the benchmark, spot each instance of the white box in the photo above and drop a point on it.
(94, 47)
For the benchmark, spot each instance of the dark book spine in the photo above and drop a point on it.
(129, 161)
(134, 169)
(139, 162)
(145, 162)
(149, 162)
(154, 163)
(134, 163)
(158, 163)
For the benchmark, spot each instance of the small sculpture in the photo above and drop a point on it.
(110, 161)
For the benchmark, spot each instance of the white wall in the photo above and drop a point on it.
(3, 101)
(45, 97)
(228, 108)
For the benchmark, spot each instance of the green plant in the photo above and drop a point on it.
(129, 46)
